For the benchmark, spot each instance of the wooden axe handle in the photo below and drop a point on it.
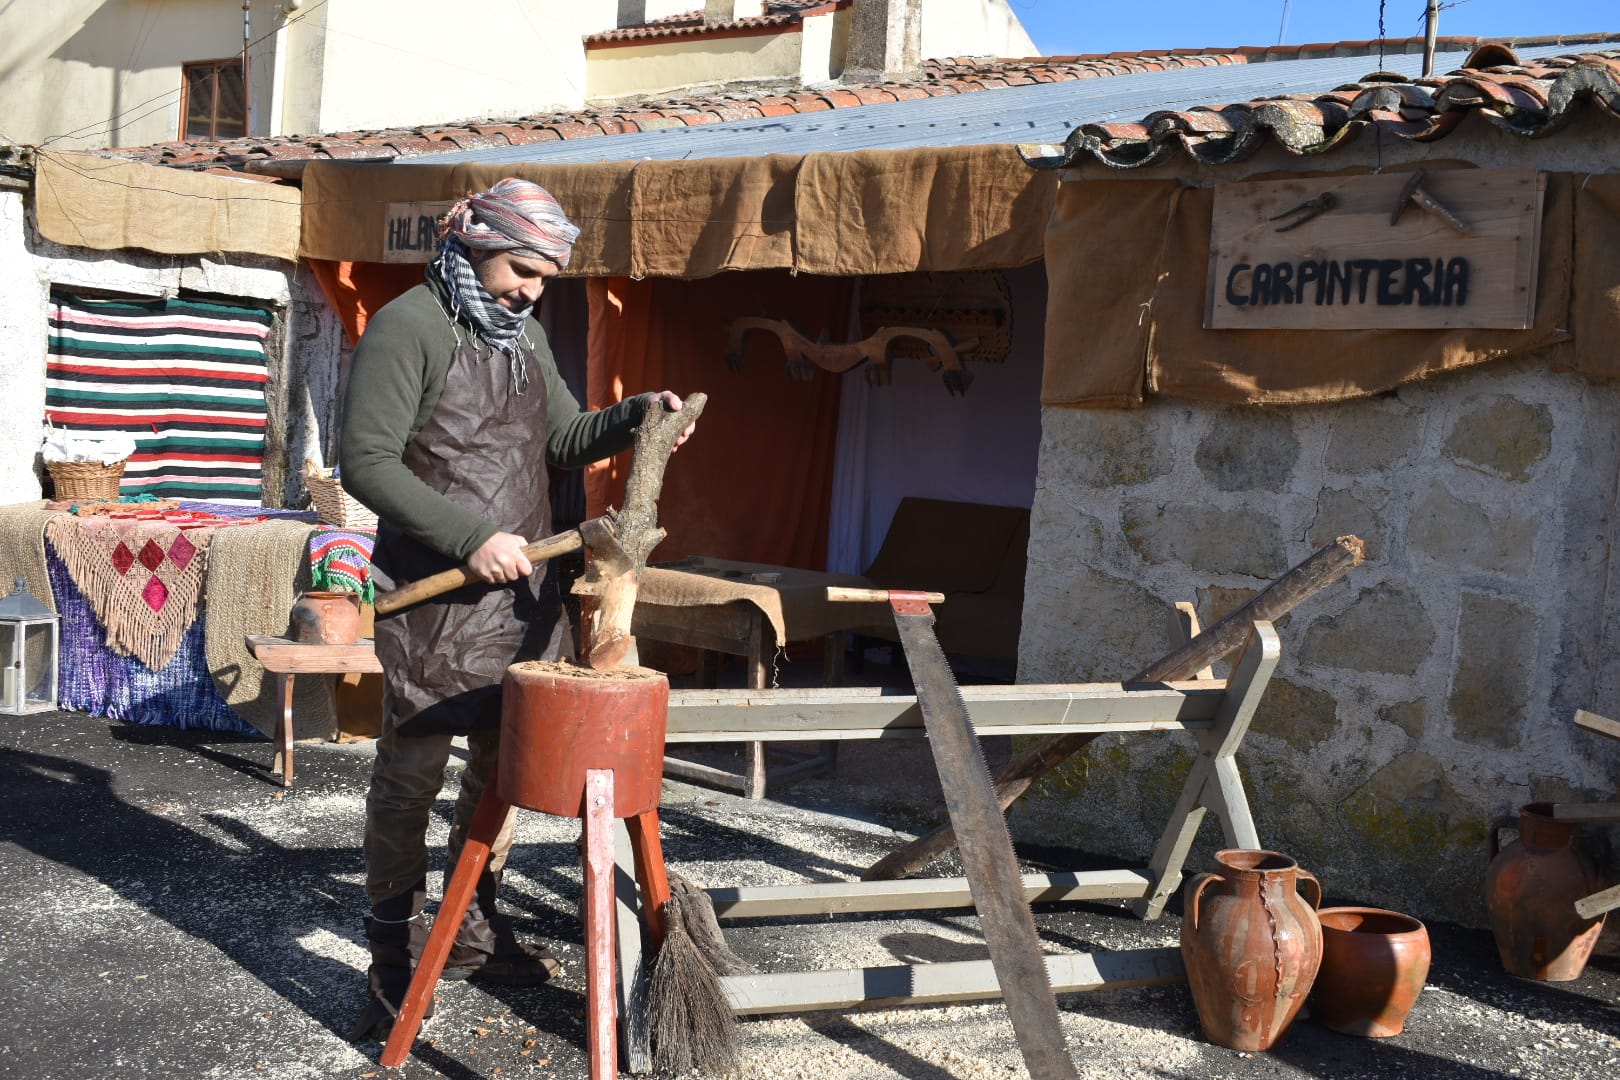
(444, 581)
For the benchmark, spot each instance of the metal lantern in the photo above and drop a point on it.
(28, 648)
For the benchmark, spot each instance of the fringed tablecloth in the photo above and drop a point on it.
(22, 549)
(102, 682)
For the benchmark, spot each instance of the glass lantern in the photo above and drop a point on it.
(28, 649)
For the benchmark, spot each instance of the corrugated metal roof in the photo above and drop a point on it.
(1019, 114)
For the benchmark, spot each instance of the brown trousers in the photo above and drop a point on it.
(406, 779)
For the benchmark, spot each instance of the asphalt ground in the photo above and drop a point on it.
(170, 911)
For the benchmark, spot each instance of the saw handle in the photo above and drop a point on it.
(454, 578)
(845, 594)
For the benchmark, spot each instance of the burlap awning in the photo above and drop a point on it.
(1127, 263)
(867, 212)
(86, 201)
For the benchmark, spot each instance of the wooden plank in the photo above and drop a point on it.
(1602, 725)
(682, 769)
(635, 1039)
(1348, 267)
(914, 894)
(818, 734)
(696, 715)
(957, 980)
(281, 655)
(1590, 907)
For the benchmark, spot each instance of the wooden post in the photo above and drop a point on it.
(1277, 599)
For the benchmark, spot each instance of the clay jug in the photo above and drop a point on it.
(1374, 965)
(326, 618)
(1252, 946)
(1530, 891)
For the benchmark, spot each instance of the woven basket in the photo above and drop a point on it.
(86, 479)
(333, 505)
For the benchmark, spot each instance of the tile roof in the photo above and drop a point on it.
(692, 24)
(1207, 132)
(956, 75)
(1532, 98)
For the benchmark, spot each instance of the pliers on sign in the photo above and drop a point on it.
(1306, 210)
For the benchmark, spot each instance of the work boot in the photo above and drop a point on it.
(487, 948)
(397, 934)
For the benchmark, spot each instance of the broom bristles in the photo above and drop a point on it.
(692, 1026)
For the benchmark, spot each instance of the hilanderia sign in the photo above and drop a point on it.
(1415, 250)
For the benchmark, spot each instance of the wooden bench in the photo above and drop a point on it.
(1217, 712)
(285, 659)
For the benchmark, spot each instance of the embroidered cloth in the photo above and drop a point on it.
(340, 561)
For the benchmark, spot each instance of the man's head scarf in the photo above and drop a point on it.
(516, 216)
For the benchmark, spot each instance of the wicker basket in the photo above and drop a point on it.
(86, 479)
(333, 505)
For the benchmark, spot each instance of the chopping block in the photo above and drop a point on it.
(574, 743)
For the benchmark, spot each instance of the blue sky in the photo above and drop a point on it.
(1062, 27)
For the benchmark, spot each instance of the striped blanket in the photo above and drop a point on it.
(185, 377)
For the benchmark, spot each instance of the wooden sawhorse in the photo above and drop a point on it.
(1217, 712)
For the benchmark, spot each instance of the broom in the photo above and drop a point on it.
(691, 1023)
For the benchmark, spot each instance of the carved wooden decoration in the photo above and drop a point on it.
(805, 357)
(962, 304)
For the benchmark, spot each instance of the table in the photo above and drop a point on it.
(749, 610)
(286, 659)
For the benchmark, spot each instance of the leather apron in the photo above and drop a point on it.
(483, 447)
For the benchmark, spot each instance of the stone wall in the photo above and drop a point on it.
(1426, 694)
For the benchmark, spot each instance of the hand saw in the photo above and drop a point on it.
(992, 870)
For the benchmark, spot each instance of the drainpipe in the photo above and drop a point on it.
(247, 72)
(885, 38)
(1431, 30)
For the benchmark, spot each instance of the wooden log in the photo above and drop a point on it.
(615, 582)
(1284, 594)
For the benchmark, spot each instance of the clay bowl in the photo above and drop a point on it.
(1374, 965)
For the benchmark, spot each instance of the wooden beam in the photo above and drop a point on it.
(1591, 721)
(957, 980)
(914, 894)
(866, 712)
(1590, 907)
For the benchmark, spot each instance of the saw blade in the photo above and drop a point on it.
(991, 868)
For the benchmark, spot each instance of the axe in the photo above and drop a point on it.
(612, 557)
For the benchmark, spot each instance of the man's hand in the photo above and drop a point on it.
(671, 401)
(500, 559)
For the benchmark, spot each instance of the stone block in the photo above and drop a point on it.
(1301, 716)
(1495, 670)
(1372, 436)
(1462, 535)
(1347, 512)
(1385, 629)
(1090, 628)
(1107, 448)
(1248, 450)
(1206, 538)
(1504, 437)
(1408, 716)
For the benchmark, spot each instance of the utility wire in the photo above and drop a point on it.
(1282, 28)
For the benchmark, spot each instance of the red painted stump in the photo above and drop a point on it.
(574, 743)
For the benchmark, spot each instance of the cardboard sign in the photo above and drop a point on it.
(1395, 251)
(410, 234)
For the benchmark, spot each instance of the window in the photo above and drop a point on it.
(215, 101)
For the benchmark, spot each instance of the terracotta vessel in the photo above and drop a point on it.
(1374, 965)
(1252, 946)
(1530, 891)
(557, 721)
(326, 618)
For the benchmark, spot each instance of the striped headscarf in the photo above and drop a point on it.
(514, 215)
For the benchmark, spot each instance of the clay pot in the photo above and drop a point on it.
(326, 618)
(1530, 891)
(558, 720)
(1252, 946)
(1374, 965)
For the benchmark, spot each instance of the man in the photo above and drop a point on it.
(453, 411)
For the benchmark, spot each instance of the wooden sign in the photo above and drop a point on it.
(411, 232)
(1414, 250)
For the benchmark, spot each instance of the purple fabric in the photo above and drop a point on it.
(234, 510)
(98, 681)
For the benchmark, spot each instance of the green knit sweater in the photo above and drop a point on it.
(397, 374)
